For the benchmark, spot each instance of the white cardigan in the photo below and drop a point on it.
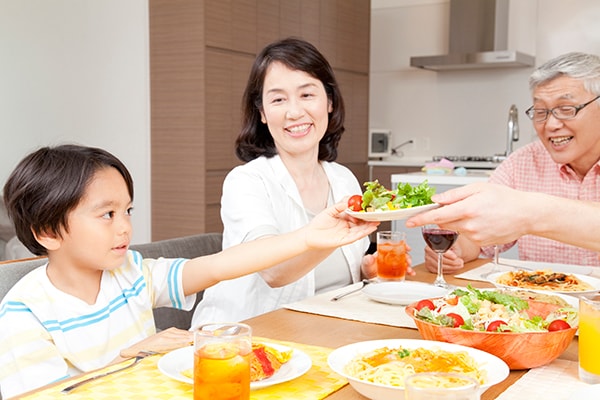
(261, 198)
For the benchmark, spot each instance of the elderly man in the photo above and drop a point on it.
(563, 163)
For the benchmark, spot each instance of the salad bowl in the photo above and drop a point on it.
(519, 350)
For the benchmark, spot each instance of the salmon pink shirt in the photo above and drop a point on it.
(531, 169)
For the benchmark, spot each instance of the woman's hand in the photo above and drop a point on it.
(451, 263)
(368, 266)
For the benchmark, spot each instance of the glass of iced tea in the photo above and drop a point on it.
(222, 361)
(392, 260)
(589, 338)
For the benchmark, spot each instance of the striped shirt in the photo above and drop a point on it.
(47, 335)
(531, 169)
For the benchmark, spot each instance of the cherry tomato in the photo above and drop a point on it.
(458, 320)
(355, 202)
(494, 325)
(558, 325)
(425, 303)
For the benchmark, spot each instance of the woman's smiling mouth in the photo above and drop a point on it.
(299, 130)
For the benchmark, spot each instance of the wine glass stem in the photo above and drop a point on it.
(439, 280)
(496, 255)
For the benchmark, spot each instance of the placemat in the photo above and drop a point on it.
(555, 381)
(355, 307)
(480, 273)
(145, 381)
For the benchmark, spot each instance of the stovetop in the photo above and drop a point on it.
(465, 158)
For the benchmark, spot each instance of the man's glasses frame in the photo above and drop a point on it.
(560, 112)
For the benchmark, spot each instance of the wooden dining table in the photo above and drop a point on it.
(300, 327)
(303, 329)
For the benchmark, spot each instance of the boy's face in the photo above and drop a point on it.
(100, 225)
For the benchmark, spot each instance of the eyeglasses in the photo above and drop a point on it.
(560, 112)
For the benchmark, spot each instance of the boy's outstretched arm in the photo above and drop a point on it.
(330, 229)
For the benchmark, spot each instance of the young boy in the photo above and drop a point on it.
(92, 302)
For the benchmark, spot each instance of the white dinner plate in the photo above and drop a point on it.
(496, 370)
(402, 293)
(175, 362)
(402, 213)
(594, 282)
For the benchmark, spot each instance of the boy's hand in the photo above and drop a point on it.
(332, 228)
(161, 342)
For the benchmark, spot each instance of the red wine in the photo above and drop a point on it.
(439, 240)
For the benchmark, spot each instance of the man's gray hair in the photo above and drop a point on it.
(583, 66)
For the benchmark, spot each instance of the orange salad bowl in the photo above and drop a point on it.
(518, 350)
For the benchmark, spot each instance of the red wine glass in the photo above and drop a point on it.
(439, 240)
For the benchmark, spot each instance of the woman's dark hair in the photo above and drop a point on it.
(49, 183)
(254, 139)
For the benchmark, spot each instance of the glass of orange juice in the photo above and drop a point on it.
(392, 260)
(222, 361)
(589, 338)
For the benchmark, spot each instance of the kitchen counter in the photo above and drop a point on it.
(421, 161)
(446, 179)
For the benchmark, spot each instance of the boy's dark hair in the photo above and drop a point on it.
(254, 139)
(49, 183)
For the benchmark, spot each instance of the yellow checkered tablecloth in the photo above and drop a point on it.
(145, 381)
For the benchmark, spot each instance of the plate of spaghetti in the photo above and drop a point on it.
(546, 280)
(377, 368)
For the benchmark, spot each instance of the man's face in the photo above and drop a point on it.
(574, 141)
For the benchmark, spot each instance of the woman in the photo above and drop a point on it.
(293, 119)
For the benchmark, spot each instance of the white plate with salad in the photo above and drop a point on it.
(380, 204)
(391, 215)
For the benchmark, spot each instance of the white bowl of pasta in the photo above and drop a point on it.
(377, 368)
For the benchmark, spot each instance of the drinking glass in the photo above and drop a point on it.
(392, 260)
(439, 240)
(441, 386)
(589, 337)
(222, 361)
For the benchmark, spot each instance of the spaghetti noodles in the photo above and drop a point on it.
(391, 366)
(544, 280)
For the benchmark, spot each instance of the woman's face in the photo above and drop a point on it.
(296, 110)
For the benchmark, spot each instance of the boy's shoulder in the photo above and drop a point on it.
(33, 283)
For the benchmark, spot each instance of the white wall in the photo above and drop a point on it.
(77, 71)
(462, 112)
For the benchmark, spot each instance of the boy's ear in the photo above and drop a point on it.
(49, 240)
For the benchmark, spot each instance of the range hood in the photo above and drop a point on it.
(478, 39)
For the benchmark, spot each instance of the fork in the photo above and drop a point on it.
(139, 357)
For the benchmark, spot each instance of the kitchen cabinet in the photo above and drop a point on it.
(201, 52)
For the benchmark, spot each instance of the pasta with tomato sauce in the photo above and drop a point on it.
(543, 280)
(391, 366)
